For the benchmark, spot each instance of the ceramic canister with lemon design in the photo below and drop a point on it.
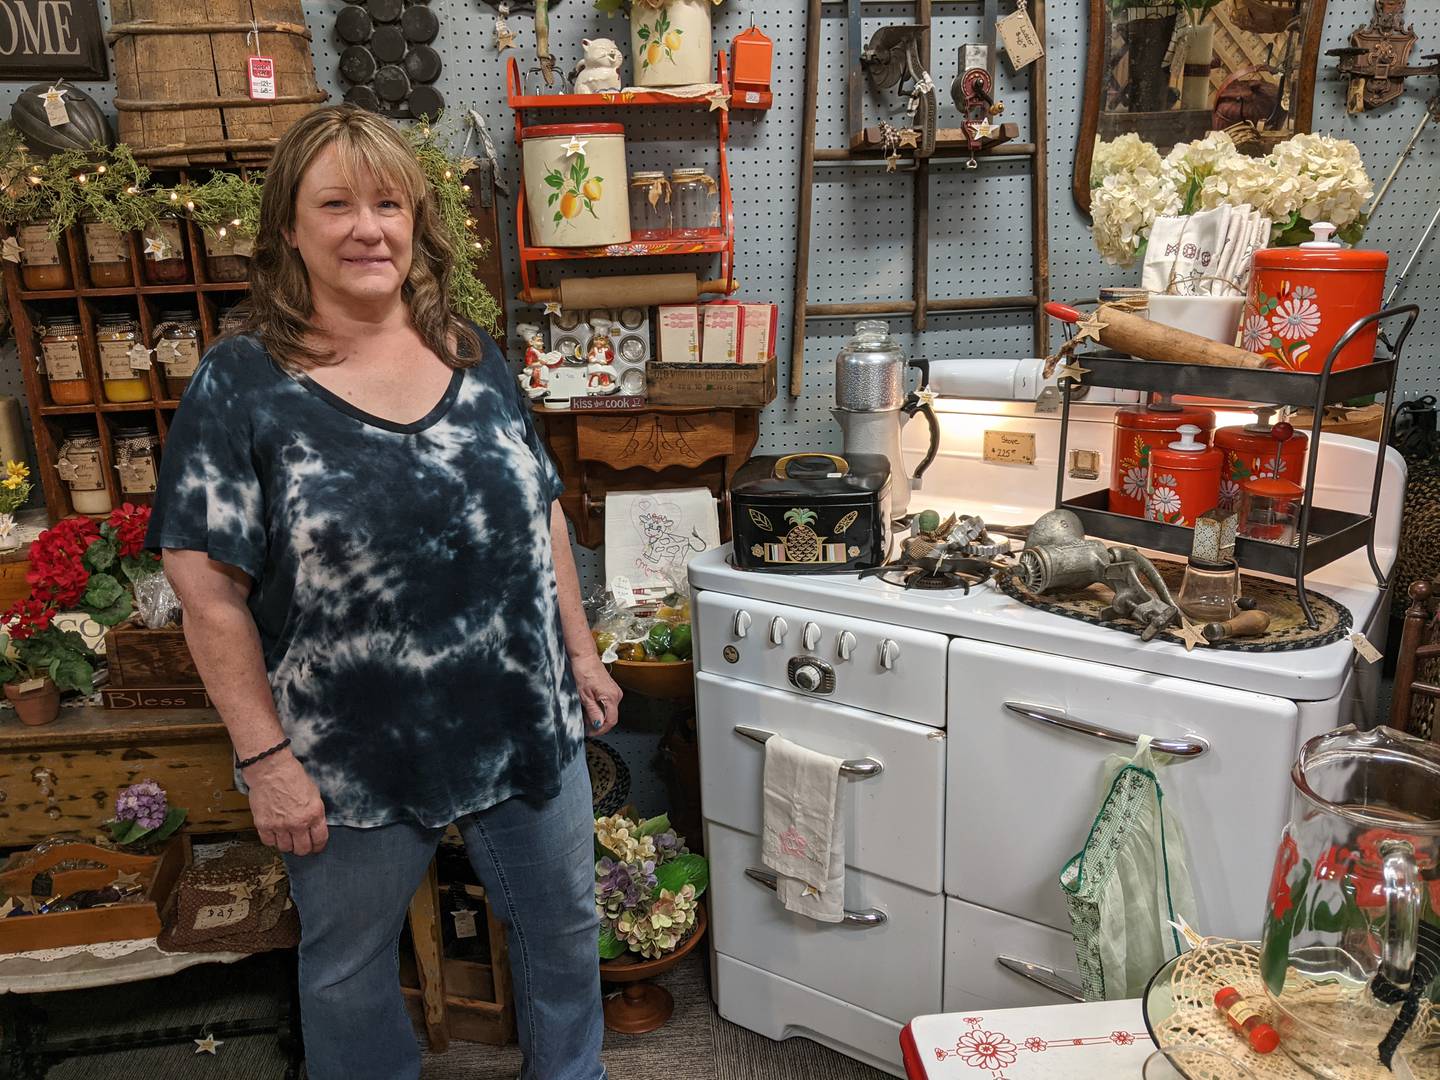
(576, 193)
(670, 42)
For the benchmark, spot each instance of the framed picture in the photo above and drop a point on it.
(51, 39)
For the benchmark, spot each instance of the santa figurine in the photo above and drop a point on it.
(537, 361)
(600, 359)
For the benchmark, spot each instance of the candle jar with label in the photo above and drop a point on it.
(78, 465)
(43, 262)
(136, 450)
(177, 349)
(164, 247)
(697, 202)
(231, 320)
(651, 216)
(107, 255)
(64, 372)
(115, 337)
(227, 258)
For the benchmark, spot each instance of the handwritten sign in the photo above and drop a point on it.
(1022, 43)
(49, 38)
(1010, 447)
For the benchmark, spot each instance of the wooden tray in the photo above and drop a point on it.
(124, 922)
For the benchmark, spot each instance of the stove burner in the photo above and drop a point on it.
(927, 579)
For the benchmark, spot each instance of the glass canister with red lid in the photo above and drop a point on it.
(1250, 452)
(1183, 480)
(1140, 429)
(1303, 299)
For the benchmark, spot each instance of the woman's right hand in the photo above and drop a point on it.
(286, 805)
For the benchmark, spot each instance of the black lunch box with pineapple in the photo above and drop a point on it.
(811, 513)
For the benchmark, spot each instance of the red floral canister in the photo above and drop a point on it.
(1184, 479)
(1140, 429)
(1303, 299)
(1250, 451)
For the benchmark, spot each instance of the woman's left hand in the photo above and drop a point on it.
(599, 695)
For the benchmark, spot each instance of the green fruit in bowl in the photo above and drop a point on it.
(659, 640)
(680, 643)
(669, 658)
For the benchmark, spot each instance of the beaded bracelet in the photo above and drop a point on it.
(281, 745)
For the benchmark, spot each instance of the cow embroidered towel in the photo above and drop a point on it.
(804, 830)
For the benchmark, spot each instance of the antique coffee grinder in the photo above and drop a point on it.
(872, 404)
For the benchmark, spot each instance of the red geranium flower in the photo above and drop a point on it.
(1285, 861)
(1334, 864)
(27, 618)
(130, 523)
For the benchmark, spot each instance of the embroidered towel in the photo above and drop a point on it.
(1184, 250)
(804, 831)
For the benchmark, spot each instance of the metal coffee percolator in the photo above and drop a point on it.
(872, 405)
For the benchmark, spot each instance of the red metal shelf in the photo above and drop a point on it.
(609, 99)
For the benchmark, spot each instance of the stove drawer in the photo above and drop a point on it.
(1023, 792)
(886, 669)
(893, 818)
(890, 967)
(975, 940)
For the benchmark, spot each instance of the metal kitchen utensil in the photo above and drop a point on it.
(893, 56)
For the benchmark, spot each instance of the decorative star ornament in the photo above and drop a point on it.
(10, 250)
(984, 129)
(575, 146)
(1190, 633)
(172, 347)
(54, 95)
(552, 307)
(1090, 326)
(122, 881)
(468, 164)
(242, 890)
(719, 100)
(1071, 370)
(504, 37)
(892, 159)
(208, 1044)
(157, 246)
(140, 357)
(926, 396)
(909, 137)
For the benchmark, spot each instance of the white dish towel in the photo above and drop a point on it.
(804, 829)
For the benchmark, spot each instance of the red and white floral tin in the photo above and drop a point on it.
(1183, 481)
(1139, 431)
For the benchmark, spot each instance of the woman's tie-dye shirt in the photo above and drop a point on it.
(404, 586)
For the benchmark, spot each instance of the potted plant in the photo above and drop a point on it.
(79, 563)
(647, 892)
(14, 493)
(670, 42)
(143, 817)
(40, 660)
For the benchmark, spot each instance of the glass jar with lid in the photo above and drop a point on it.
(651, 215)
(107, 255)
(78, 465)
(232, 319)
(122, 371)
(177, 349)
(43, 261)
(164, 248)
(60, 356)
(136, 452)
(697, 202)
(227, 256)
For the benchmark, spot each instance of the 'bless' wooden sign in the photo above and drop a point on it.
(42, 39)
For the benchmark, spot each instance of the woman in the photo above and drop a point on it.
(381, 598)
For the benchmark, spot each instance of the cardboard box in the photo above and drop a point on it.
(678, 333)
(720, 332)
(716, 385)
(757, 333)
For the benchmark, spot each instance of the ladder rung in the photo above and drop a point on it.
(831, 154)
(1425, 688)
(907, 307)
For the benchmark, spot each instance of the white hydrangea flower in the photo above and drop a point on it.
(1123, 154)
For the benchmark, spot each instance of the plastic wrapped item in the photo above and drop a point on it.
(156, 601)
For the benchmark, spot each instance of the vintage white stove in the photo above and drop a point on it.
(963, 798)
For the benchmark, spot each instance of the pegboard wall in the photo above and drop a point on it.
(861, 227)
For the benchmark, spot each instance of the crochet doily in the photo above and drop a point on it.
(1195, 1021)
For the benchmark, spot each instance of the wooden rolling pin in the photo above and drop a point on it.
(1128, 333)
(634, 290)
(1251, 623)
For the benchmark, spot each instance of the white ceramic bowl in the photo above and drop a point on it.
(1213, 317)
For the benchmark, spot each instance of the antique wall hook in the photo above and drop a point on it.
(1375, 60)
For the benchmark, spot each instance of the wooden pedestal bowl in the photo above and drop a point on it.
(642, 1006)
(655, 678)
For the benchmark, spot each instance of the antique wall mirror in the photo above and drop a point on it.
(1172, 70)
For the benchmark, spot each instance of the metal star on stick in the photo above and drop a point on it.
(1090, 326)
(719, 100)
(208, 1044)
(10, 250)
(576, 145)
(1190, 633)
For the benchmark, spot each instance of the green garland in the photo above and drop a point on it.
(109, 185)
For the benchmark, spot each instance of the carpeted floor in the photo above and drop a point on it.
(695, 1045)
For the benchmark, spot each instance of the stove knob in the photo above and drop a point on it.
(807, 677)
(742, 623)
(845, 644)
(811, 637)
(889, 653)
(778, 629)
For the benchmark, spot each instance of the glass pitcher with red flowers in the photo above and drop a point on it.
(1351, 946)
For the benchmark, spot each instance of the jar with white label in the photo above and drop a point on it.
(78, 465)
(177, 350)
(136, 452)
(227, 257)
(163, 245)
(43, 261)
(697, 202)
(60, 357)
(107, 255)
(116, 338)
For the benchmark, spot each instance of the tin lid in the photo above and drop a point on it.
(179, 315)
(1188, 444)
(812, 475)
(647, 176)
(1272, 487)
(687, 175)
(117, 319)
(134, 431)
(1151, 418)
(1321, 253)
(550, 131)
(62, 324)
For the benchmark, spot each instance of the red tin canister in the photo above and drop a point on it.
(1249, 452)
(1140, 429)
(1184, 479)
(1302, 299)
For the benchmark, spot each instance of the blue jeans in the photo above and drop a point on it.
(536, 861)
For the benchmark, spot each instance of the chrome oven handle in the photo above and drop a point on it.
(870, 918)
(861, 768)
(1185, 748)
(1047, 977)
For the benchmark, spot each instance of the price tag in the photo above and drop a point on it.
(1362, 645)
(623, 591)
(55, 114)
(1022, 44)
(464, 923)
(262, 78)
(1010, 447)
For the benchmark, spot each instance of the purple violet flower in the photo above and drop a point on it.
(143, 803)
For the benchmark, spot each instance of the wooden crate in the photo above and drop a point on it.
(717, 385)
(151, 669)
(123, 922)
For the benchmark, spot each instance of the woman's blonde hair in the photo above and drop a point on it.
(279, 309)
